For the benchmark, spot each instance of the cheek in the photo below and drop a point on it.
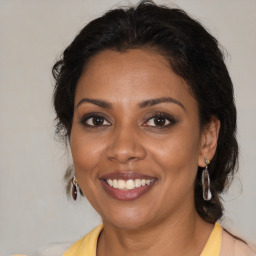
(86, 151)
(178, 153)
(177, 158)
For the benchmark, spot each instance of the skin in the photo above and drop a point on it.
(164, 219)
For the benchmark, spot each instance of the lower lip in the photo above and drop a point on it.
(126, 195)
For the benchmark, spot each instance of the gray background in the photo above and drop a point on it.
(34, 210)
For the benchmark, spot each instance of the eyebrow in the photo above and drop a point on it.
(152, 102)
(100, 103)
(143, 104)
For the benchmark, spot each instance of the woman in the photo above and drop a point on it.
(145, 100)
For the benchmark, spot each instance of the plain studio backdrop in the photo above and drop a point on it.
(34, 210)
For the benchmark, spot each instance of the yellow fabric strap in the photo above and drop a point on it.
(88, 245)
(212, 247)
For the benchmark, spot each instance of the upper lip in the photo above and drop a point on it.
(126, 176)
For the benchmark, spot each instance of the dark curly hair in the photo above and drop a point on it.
(193, 54)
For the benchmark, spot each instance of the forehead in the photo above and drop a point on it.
(130, 76)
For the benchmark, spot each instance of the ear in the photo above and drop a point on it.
(209, 141)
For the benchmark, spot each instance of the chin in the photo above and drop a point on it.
(129, 219)
(129, 224)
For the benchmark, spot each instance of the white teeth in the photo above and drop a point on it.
(121, 184)
(137, 183)
(128, 184)
(114, 183)
(110, 183)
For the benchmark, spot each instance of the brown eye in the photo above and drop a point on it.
(95, 121)
(160, 120)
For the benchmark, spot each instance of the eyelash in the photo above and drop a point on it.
(165, 116)
(87, 117)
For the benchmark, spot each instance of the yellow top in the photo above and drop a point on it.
(212, 247)
(88, 244)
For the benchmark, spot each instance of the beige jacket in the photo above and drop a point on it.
(230, 246)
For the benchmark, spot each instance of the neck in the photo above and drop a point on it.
(185, 234)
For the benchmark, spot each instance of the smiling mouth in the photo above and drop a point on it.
(127, 186)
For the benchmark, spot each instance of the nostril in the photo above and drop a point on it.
(133, 158)
(125, 157)
(125, 149)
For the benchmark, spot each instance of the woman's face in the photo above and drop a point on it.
(135, 139)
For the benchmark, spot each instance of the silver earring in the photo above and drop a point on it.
(75, 188)
(206, 184)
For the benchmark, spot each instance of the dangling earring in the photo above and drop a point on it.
(207, 195)
(75, 188)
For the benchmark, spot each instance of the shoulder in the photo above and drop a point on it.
(234, 246)
(84, 246)
(87, 245)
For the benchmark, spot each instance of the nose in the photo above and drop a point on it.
(125, 146)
